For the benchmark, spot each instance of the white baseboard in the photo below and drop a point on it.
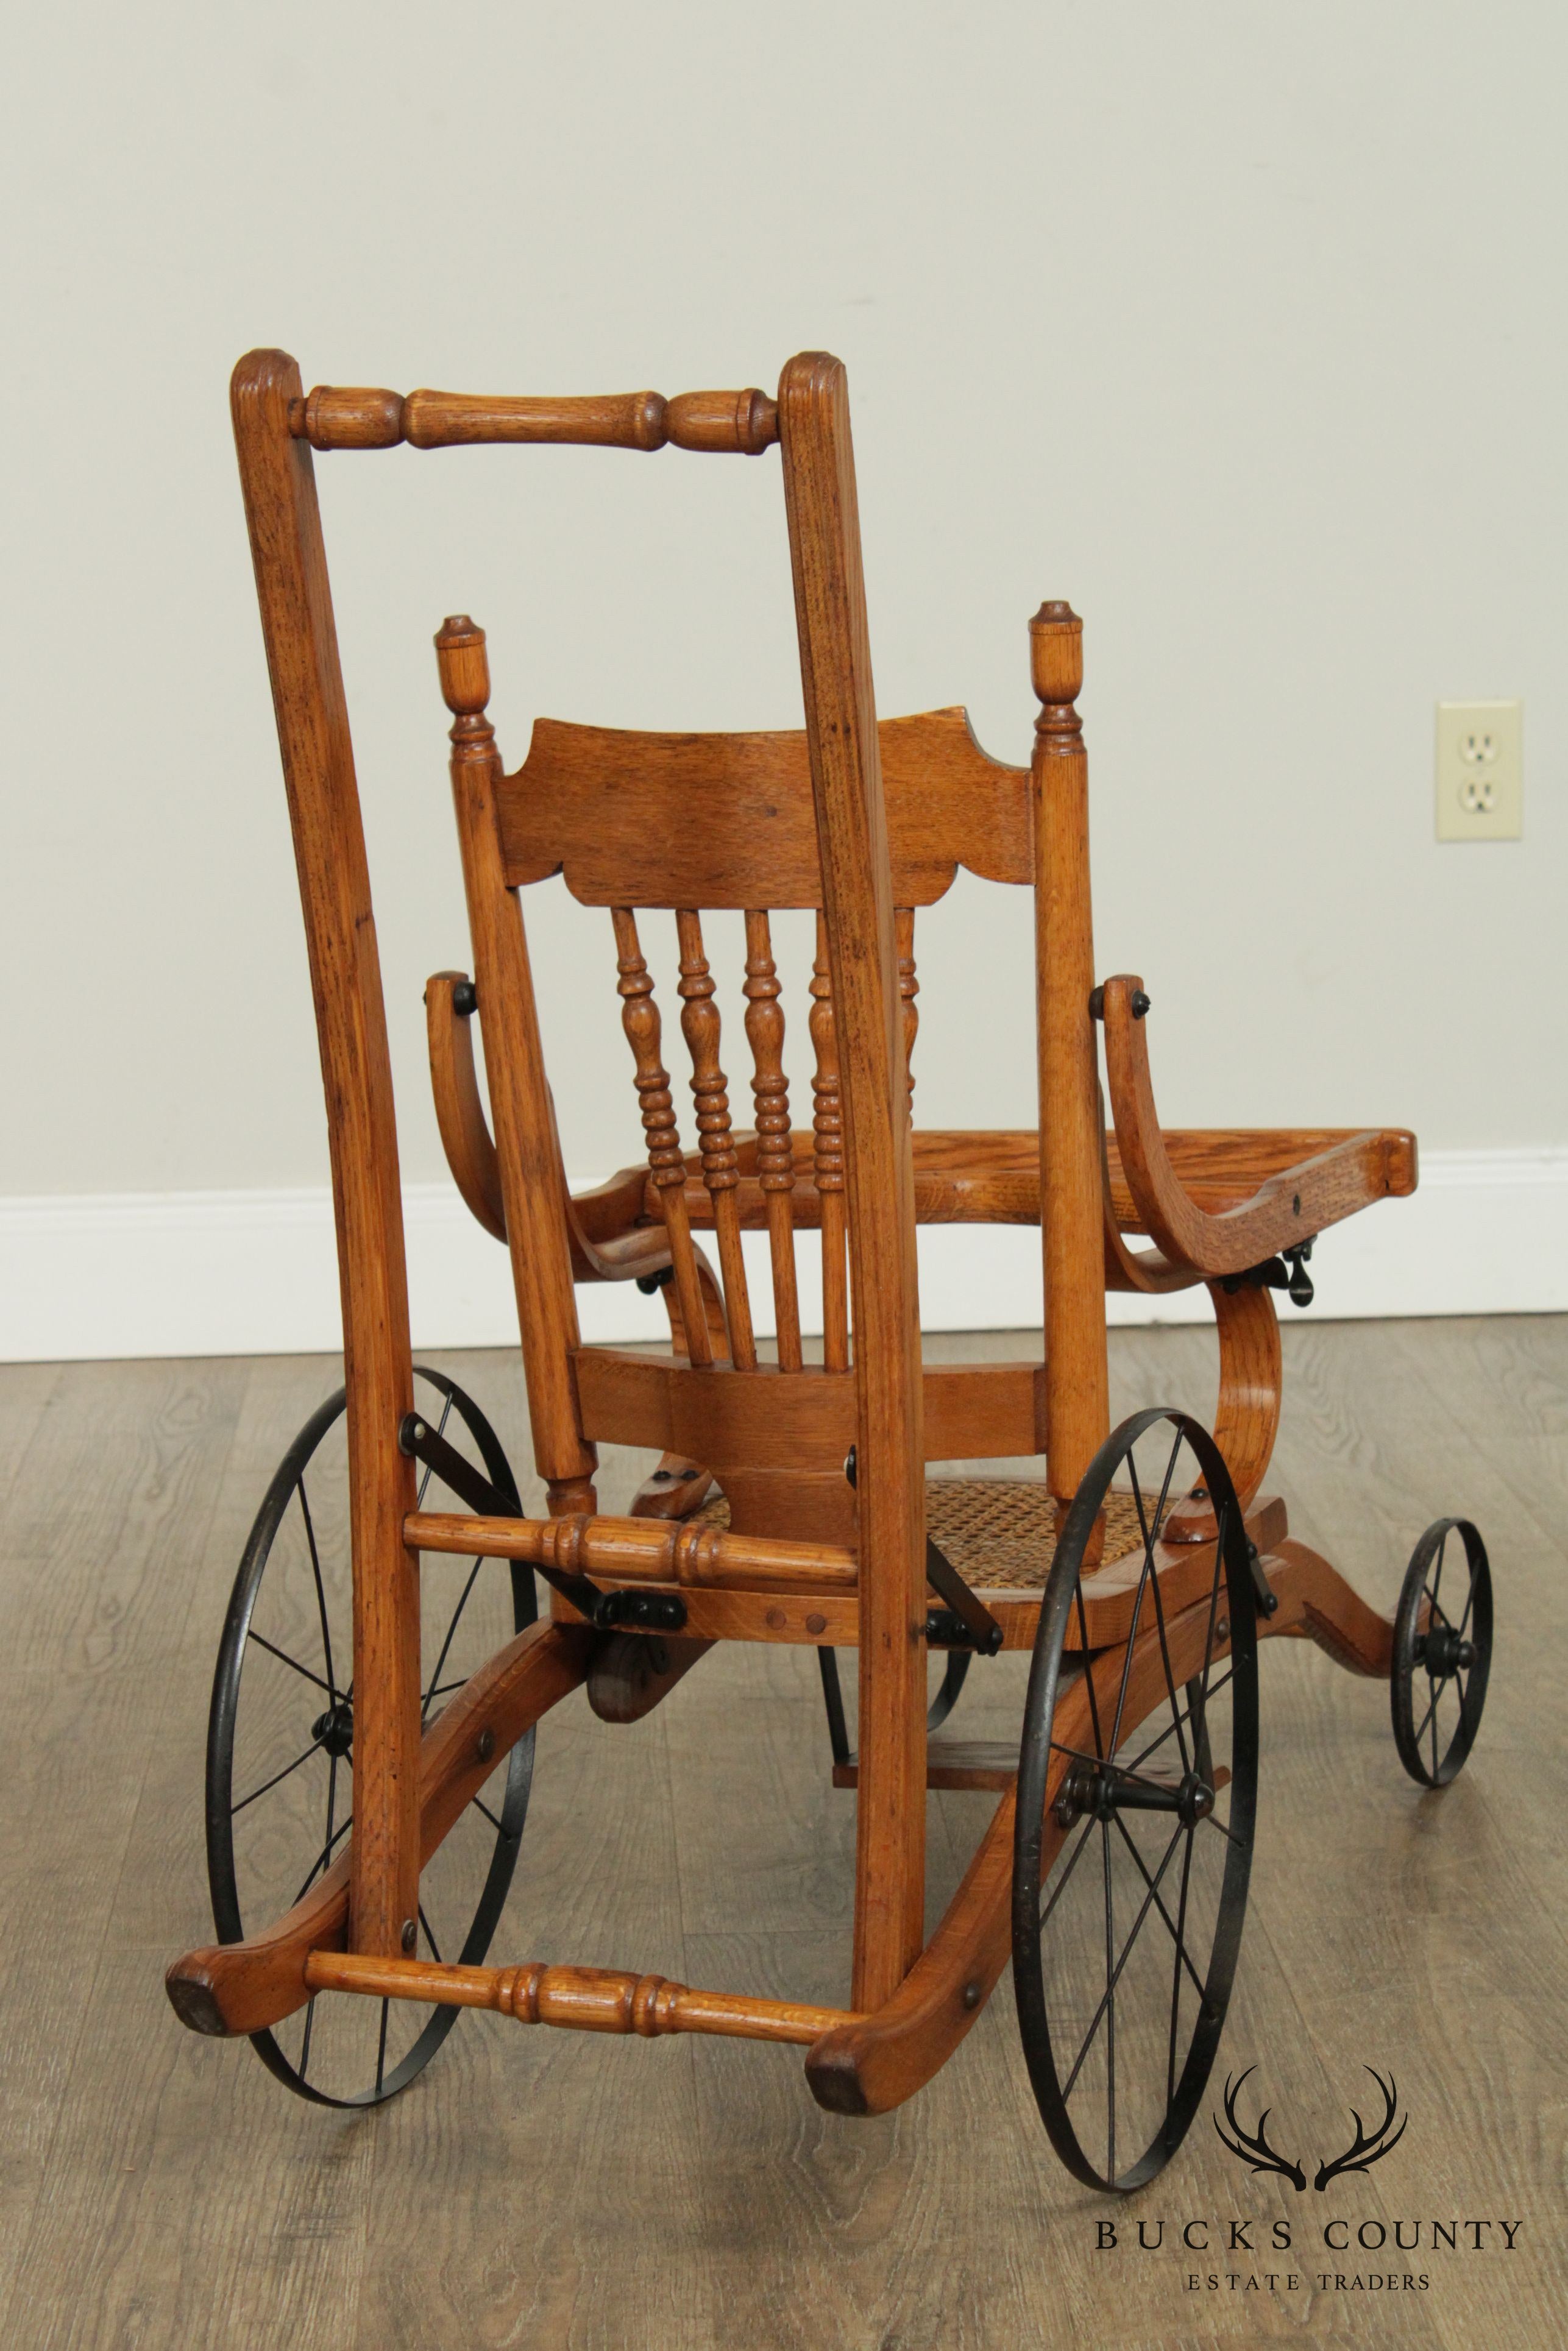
(233, 1273)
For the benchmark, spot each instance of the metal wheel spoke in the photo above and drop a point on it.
(429, 1936)
(320, 1586)
(430, 1472)
(1178, 1957)
(313, 1748)
(490, 1815)
(304, 2045)
(1182, 1956)
(1122, 1771)
(1165, 1655)
(1437, 1578)
(322, 1859)
(1114, 1973)
(1420, 1728)
(381, 2048)
(1089, 1671)
(273, 1650)
(1128, 1769)
(1060, 1886)
(1213, 1821)
(1214, 1597)
(1469, 1603)
(450, 1633)
(1438, 1614)
(1147, 1572)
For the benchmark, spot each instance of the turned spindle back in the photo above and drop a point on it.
(654, 827)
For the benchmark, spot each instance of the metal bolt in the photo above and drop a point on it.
(971, 1995)
(1140, 1003)
(1222, 1628)
(485, 1746)
(409, 1935)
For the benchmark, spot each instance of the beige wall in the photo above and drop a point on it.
(1243, 328)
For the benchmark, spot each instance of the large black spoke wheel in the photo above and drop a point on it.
(1134, 1842)
(280, 1744)
(1442, 1652)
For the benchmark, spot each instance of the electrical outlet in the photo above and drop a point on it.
(1480, 770)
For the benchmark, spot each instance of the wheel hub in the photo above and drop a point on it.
(1100, 1790)
(334, 1730)
(1443, 1653)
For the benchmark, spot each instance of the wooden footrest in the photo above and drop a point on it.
(953, 1763)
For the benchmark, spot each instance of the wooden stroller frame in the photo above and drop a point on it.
(1217, 1206)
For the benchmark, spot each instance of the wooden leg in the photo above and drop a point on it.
(384, 1874)
(1246, 1418)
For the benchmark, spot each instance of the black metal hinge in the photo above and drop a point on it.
(1288, 1271)
(963, 1622)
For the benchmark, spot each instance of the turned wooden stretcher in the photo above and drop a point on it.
(1140, 1586)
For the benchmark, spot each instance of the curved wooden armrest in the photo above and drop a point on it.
(459, 1112)
(613, 1255)
(1146, 1271)
(1284, 1211)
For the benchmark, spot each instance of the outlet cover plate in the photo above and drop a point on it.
(1480, 770)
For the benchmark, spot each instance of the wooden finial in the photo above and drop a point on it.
(1056, 653)
(465, 670)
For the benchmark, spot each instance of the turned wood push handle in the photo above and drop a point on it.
(338, 416)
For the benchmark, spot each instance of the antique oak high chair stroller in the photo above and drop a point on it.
(791, 1503)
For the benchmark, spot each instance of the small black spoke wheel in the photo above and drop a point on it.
(1137, 1795)
(280, 1744)
(1442, 1652)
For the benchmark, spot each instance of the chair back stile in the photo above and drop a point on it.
(1072, 1122)
(532, 1187)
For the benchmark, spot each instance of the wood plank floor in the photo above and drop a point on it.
(552, 2189)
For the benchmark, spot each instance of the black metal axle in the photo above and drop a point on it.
(1102, 1790)
(334, 1730)
(1443, 1653)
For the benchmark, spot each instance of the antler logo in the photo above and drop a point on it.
(1251, 2146)
(1366, 2149)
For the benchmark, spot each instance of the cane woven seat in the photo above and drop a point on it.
(998, 1532)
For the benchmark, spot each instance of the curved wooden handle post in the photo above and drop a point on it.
(857, 893)
(1285, 1211)
(336, 416)
(296, 602)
